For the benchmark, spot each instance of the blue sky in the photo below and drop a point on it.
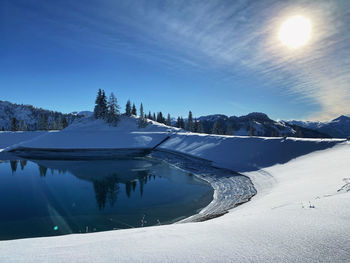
(174, 56)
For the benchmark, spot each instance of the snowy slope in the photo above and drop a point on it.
(28, 114)
(88, 133)
(276, 226)
(10, 138)
(242, 153)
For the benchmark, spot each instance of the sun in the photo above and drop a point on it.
(295, 32)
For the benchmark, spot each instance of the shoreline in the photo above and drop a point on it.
(231, 189)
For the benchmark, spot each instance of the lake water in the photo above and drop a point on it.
(46, 198)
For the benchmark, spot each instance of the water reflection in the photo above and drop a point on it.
(52, 197)
(107, 177)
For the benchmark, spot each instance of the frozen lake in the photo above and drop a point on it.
(55, 197)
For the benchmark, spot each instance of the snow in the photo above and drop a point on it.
(242, 153)
(83, 132)
(8, 138)
(277, 225)
(337, 128)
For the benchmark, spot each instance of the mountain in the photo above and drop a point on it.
(337, 128)
(28, 117)
(258, 124)
(83, 113)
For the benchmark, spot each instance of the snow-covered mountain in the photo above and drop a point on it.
(28, 116)
(337, 128)
(256, 123)
(83, 113)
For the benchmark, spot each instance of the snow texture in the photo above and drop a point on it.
(89, 133)
(300, 213)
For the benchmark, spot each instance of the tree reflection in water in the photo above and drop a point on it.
(106, 181)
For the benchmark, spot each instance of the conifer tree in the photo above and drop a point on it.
(54, 125)
(217, 128)
(97, 109)
(113, 110)
(142, 119)
(229, 129)
(251, 129)
(128, 108)
(154, 116)
(168, 120)
(197, 127)
(104, 108)
(133, 110)
(64, 122)
(180, 123)
(14, 124)
(23, 126)
(189, 124)
(149, 115)
(200, 127)
(43, 122)
(160, 117)
(177, 124)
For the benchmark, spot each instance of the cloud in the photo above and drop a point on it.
(237, 37)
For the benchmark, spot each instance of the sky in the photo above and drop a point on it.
(209, 57)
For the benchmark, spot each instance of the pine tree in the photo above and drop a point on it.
(23, 126)
(149, 115)
(64, 122)
(113, 110)
(103, 105)
(197, 127)
(14, 124)
(154, 116)
(217, 128)
(189, 124)
(43, 123)
(200, 127)
(251, 129)
(97, 109)
(229, 129)
(142, 119)
(178, 122)
(54, 125)
(160, 117)
(133, 110)
(128, 108)
(168, 120)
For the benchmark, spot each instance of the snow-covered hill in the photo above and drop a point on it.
(300, 212)
(258, 124)
(28, 116)
(337, 128)
(83, 113)
(243, 153)
(91, 133)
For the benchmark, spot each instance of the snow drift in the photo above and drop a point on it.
(300, 212)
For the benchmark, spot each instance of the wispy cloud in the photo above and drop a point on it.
(232, 36)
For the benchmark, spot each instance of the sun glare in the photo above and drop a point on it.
(295, 32)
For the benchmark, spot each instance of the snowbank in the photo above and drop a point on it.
(276, 226)
(88, 133)
(9, 138)
(244, 153)
(300, 213)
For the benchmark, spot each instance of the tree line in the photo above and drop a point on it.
(43, 123)
(108, 109)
